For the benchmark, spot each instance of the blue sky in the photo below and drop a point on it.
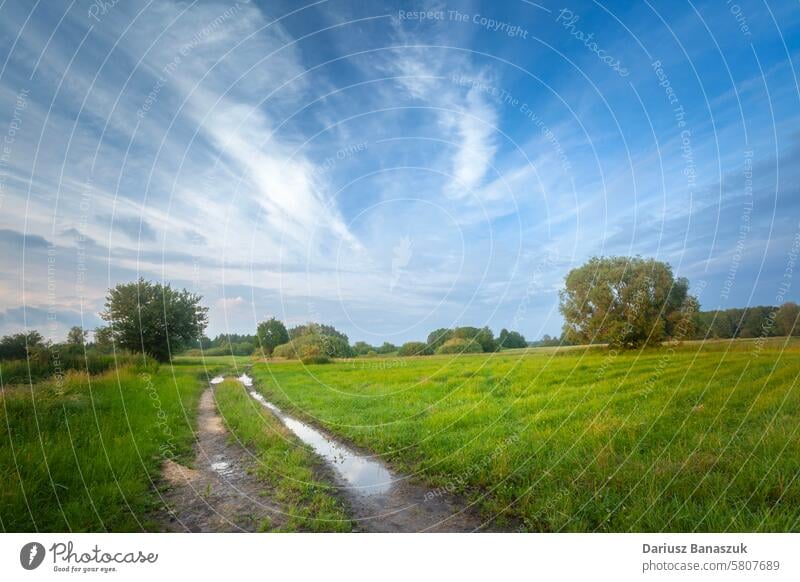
(356, 164)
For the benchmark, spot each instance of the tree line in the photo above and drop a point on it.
(621, 301)
(630, 302)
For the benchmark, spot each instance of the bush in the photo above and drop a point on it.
(46, 362)
(511, 340)
(387, 348)
(298, 348)
(306, 351)
(362, 348)
(286, 350)
(312, 355)
(459, 345)
(414, 349)
(482, 336)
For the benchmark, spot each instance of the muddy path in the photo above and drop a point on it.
(379, 498)
(221, 492)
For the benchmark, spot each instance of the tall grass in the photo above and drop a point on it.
(82, 453)
(47, 363)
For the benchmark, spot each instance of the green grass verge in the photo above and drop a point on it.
(83, 454)
(700, 437)
(284, 464)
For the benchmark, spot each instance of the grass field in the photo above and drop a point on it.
(699, 437)
(83, 454)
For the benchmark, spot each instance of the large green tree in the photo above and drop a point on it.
(626, 302)
(271, 333)
(154, 318)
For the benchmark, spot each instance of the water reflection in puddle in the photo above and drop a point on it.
(365, 476)
(222, 467)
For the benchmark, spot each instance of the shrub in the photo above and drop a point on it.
(330, 346)
(459, 345)
(414, 349)
(20, 345)
(311, 354)
(438, 336)
(511, 340)
(387, 348)
(53, 361)
(482, 336)
(362, 348)
(286, 350)
(319, 329)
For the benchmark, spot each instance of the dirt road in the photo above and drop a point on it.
(221, 492)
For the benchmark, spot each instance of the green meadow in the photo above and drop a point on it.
(696, 437)
(692, 437)
(84, 453)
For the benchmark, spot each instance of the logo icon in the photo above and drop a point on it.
(31, 555)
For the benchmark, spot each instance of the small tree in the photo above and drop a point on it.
(438, 336)
(414, 349)
(76, 336)
(103, 339)
(154, 318)
(362, 348)
(626, 302)
(387, 348)
(511, 339)
(483, 336)
(312, 328)
(271, 333)
(459, 345)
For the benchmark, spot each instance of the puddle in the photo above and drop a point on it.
(379, 500)
(217, 380)
(363, 475)
(222, 467)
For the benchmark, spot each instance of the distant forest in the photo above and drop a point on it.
(737, 322)
(749, 322)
